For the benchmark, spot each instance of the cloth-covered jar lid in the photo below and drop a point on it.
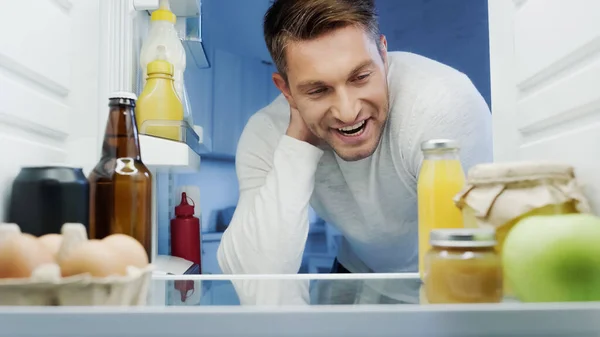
(510, 172)
(499, 192)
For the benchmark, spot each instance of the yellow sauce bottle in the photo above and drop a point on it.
(159, 101)
(440, 179)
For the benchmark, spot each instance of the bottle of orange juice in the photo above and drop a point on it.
(440, 179)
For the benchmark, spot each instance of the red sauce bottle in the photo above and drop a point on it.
(185, 233)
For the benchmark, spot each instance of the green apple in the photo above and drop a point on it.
(554, 258)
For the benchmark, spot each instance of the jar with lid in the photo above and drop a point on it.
(441, 177)
(462, 267)
(498, 195)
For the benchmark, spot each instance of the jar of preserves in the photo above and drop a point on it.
(462, 267)
(499, 195)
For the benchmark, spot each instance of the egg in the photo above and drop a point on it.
(52, 242)
(130, 251)
(21, 254)
(93, 257)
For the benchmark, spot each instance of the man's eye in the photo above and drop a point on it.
(317, 91)
(362, 77)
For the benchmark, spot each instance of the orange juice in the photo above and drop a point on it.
(440, 179)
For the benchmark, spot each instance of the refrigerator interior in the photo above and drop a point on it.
(234, 81)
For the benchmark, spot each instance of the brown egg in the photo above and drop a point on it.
(21, 254)
(130, 251)
(93, 257)
(52, 242)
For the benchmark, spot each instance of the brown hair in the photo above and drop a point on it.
(298, 20)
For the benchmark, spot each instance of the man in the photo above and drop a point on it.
(345, 137)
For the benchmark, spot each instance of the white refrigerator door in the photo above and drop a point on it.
(49, 54)
(545, 81)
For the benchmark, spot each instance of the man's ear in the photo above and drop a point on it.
(283, 86)
(383, 48)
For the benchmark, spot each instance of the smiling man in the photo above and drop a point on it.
(344, 137)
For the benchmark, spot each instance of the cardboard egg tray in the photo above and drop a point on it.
(46, 287)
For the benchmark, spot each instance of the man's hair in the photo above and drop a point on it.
(299, 20)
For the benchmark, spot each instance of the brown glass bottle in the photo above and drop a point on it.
(120, 184)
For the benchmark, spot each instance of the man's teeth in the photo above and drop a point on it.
(353, 127)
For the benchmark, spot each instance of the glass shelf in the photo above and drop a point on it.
(374, 305)
(302, 289)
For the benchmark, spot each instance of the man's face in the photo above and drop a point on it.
(338, 84)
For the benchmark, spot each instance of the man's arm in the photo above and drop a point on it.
(268, 231)
(453, 108)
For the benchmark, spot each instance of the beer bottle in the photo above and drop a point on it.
(120, 184)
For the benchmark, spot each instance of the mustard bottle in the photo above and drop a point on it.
(159, 101)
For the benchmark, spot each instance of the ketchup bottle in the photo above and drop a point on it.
(185, 233)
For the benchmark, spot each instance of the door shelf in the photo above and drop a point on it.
(165, 155)
(185, 8)
(189, 27)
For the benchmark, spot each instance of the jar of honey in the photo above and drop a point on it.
(462, 267)
(499, 195)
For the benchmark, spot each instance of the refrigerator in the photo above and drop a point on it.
(59, 60)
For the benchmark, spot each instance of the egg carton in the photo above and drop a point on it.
(46, 287)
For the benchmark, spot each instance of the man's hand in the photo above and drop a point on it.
(298, 129)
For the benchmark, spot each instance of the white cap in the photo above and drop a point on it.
(122, 94)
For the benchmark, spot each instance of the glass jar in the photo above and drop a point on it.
(499, 195)
(441, 177)
(463, 267)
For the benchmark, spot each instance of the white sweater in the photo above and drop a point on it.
(373, 202)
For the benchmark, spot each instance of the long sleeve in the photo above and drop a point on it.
(276, 176)
(452, 108)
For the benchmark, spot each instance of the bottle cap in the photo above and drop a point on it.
(122, 94)
(439, 144)
(163, 13)
(184, 209)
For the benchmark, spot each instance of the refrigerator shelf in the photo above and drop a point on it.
(331, 321)
(163, 155)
